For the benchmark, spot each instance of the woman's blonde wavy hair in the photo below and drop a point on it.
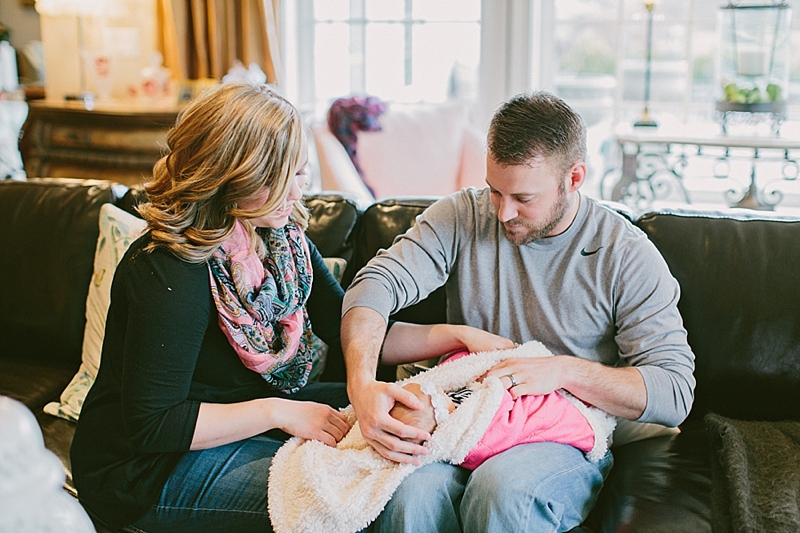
(226, 145)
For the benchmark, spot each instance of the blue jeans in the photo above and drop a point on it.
(535, 488)
(225, 488)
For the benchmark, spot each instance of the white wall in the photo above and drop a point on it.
(127, 38)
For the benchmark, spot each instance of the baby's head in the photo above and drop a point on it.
(424, 418)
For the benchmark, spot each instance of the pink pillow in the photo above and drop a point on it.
(418, 152)
(472, 172)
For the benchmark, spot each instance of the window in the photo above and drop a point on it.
(406, 51)
(600, 48)
(589, 52)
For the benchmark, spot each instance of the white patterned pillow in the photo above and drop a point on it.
(118, 229)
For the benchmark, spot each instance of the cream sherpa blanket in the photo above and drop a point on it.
(318, 488)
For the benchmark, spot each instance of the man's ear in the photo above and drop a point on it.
(577, 175)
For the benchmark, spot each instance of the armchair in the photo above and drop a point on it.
(430, 151)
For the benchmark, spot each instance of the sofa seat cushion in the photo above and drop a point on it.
(658, 485)
(57, 434)
(32, 382)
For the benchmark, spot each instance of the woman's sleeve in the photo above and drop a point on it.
(166, 316)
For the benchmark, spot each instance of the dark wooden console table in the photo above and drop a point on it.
(113, 142)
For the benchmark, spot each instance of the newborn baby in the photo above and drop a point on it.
(542, 418)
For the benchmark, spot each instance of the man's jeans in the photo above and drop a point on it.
(535, 488)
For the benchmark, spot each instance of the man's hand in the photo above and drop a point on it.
(618, 391)
(391, 438)
(530, 375)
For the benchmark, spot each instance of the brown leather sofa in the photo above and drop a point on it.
(739, 274)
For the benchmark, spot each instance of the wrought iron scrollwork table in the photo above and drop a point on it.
(653, 166)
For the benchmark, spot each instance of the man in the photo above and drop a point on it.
(528, 258)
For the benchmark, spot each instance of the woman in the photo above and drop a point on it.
(207, 344)
(207, 337)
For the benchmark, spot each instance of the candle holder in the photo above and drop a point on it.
(646, 121)
(753, 63)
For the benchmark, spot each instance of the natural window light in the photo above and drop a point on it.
(590, 52)
(405, 51)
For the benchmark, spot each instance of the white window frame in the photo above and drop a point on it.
(513, 34)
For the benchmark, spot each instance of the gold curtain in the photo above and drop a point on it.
(203, 38)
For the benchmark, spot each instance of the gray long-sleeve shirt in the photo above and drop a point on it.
(600, 290)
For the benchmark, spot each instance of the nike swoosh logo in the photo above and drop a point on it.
(585, 253)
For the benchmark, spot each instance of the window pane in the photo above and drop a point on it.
(332, 10)
(332, 61)
(586, 75)
(586, 49)
(668, 68)
(445, 61)
(447, 10)
(586, 10)
(704, 77)
(385, 9)
(794, 70)
(384, 60)
(705, 11)
(665, 10)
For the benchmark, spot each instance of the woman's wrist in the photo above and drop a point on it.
(271, 408)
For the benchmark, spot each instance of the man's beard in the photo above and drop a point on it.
(541, 231)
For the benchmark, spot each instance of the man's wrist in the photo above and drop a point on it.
(359, 380)
(569, 372)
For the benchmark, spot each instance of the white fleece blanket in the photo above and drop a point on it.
(318, 488)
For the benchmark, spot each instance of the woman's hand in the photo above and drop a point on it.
(310, 420)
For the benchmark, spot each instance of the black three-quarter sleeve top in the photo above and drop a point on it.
(163, 354)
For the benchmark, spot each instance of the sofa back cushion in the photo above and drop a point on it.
(740, 301)
(380, 224)
(331, 224)
(48, 234)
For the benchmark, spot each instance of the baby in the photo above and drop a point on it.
(542, 418)
(316, 487)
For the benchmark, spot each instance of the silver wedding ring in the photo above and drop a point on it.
(513, 381)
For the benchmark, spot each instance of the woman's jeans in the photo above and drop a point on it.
(225, 488)
(537, 488)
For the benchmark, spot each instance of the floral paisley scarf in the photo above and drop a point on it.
(262, 305)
